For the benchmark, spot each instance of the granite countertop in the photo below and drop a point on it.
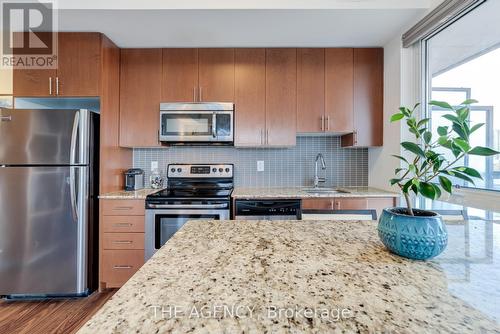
(307, 276)
(123, 194)
(299, 192)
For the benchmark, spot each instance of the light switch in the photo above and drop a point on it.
(154, 165)
(260, 166)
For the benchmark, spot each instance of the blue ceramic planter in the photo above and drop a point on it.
(418, 237)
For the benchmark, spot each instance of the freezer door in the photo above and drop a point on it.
(43, 226)
(44, 137)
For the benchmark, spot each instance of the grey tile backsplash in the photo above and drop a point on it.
(283, 167)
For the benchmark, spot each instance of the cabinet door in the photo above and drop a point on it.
(339, 90)
(250, 97)
(78, 68)
(140, 95)
(317, 203)
(368, 98)
(180, 75)
(216, 75)
(281, 97)
(33, 82)
(350, 203)
(310, 90)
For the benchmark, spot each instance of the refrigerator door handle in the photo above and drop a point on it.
(74, 138)
(81, 204)
(72, 192)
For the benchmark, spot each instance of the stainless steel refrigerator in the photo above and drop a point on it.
(48, 202)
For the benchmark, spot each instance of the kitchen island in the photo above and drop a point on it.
(306, 276)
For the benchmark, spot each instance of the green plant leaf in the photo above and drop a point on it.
(458, 175)
(445, 183)
(414, 148)
(400, 158)
(441, 104)
(427, 137)
(405, 111)
(437, 190)
(397, 117)
(444, 141)
(455, 149)
(427, 190)
(452, 118)
(460, 131)
(463, 113)
(469, 101)
(397, 170)
(462, 144)
(394, 181)
(442, 130)
(475, 127)
(469, 171)
(483, 151)
(406, 187)
(423, 121)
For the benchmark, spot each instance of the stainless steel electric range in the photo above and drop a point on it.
(197, 191)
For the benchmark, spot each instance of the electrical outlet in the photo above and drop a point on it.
(260, 166)
(154, 165)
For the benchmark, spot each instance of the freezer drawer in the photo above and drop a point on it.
(43, 226)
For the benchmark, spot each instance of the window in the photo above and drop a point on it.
(462, 61)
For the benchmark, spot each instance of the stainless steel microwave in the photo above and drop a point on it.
(197, 123)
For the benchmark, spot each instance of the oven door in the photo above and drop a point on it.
(196, 126)
(161, 225)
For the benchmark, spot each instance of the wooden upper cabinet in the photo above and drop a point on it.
(78, 64)
(250, 97)
(311, 90)
(77, 74)
(180, 75)
(339, 76)
(140, 96)
(368, 98)
(216, 75)
(281, 97)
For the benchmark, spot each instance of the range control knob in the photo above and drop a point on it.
(214, 169)
(179, 170)
(221, 170)
(172, 170)
(227, 170)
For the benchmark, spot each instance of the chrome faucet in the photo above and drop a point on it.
(318, 179)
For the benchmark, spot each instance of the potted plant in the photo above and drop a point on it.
(421, 234)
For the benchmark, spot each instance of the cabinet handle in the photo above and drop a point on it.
(122, 241)
(123, 208)
(261, 135)
(337, 205)
(50, 85)
(6, 118)
(194, 94)
(327, 123)
(57, 85)
(201, 95)
(322, 123)
(122, 267)
(122, 224)
(267, 136)
(355, 135)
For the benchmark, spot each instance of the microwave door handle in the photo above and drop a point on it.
(214, 125)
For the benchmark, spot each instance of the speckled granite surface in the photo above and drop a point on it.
(300, 192)
(297, 277)
(138, 194)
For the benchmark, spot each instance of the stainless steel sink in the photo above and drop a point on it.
(321, 190)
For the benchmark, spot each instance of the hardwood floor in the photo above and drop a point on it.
(55, 316)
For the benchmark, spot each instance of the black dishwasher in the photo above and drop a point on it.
(280, 209)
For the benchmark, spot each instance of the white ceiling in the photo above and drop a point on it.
(223, 23)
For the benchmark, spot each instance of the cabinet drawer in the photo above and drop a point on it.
(119, 265)
(123, 241)
(124, 224)
(350, 204)
(317, 203)
(118, 207)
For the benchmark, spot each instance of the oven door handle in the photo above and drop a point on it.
(188, 206)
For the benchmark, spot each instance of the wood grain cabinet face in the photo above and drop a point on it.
(339, 78)
(78, 70)
(318, 203)
(368, 98)
(77, 74)
(180, 75)
(281, 97)
(250, 97)
(216, 75)
(119, 265)
(358, 203)
(311, 90)
(140, 97)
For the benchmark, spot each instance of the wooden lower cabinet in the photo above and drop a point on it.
(119, 265)
(122, 241)
(349, 203)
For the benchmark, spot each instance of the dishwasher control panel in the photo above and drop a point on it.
(267, 209)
